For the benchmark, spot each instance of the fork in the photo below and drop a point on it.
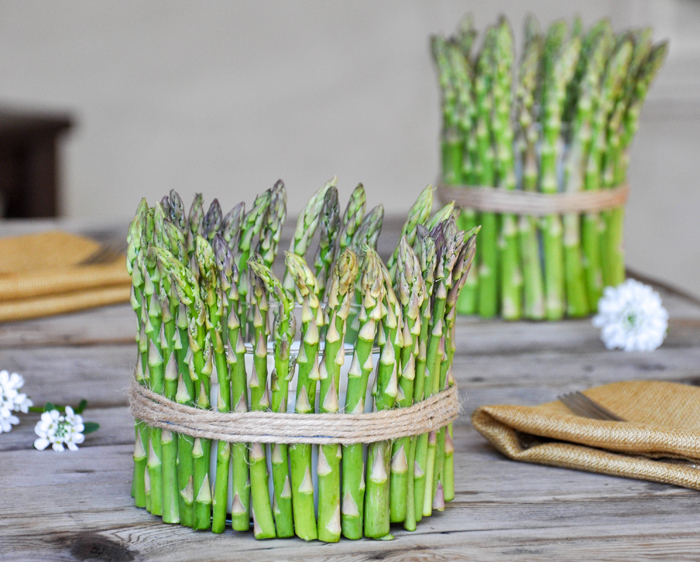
(582, 405)
(106, 253)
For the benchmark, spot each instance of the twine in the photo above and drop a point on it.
(499, 200)
(269, 427)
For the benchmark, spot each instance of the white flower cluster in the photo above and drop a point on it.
(631, 317)
(11, 400)
(58, 430)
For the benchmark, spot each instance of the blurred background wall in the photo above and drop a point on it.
(227, 97)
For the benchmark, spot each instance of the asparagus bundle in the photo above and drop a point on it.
(565, 125)
(217, 330)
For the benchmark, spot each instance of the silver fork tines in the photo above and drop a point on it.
(106, 253)
(581, 405)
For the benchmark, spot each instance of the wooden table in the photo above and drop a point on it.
(77, 506)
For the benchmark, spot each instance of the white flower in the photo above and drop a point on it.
(11, 400)
(631, 317)
(58, 430)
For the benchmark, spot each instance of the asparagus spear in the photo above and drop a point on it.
(235, 357)
(340, 297)
(329, 227)
(628, 126)
(212, 220)
(426, 252)
(592, 224)
(527, 140)
(218, 313)
(511, 276)
(377, 495)
(307, 223)
(372, 290)
(195, 221)
(367, 233)
(263, 523)
(417, 214)
(411, 292)
(232, 224)
(134, 256)
(452, 143)
(284, 329)
(484, 168)
(274, 219)
(587, 98)
(352, 217)
(177, 211)
(559, 68)
(308, 377)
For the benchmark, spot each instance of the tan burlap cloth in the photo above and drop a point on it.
(663, 426)
(39, 276)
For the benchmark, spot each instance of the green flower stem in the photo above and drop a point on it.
(185, 443)
(353, 486)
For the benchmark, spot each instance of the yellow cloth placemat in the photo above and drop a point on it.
(663, 426)
(39, 276)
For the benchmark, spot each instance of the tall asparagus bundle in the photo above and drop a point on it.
(208, 309)
(577, 99)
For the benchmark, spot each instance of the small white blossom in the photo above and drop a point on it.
(11, 400)
(58, 430)
(631, 317)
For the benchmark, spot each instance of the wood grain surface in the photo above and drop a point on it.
(77, 506)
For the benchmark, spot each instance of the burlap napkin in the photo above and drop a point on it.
(39, 276)
(663, 430)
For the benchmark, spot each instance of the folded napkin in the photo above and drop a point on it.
(663, 424)
(39, 276)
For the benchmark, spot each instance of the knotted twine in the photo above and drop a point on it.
(269, 427)
(517, 202)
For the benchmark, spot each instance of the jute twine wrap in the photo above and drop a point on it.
(662, 430)
(268, 427)
(498, 200)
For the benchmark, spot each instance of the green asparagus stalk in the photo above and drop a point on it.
(372, 290)
(559, 69)
(352, 218)
(426, 252)
(417, 214)
(511, 276)
(134, 257)
(232, 224)
(485, 175)
(235, 356)
(195, 222)
(218, 317)
(452, 143)
(576, 291)
(377, 496)
(629, 122)
(272, 227)
(340, 298)
(411, 292)
(328, 233)
(284, 329)
(212, 221)
(307, 223)
(534, 304)
(448, 242)
(592, 224)
(367, 233)
(307, 379)
(263, 522)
